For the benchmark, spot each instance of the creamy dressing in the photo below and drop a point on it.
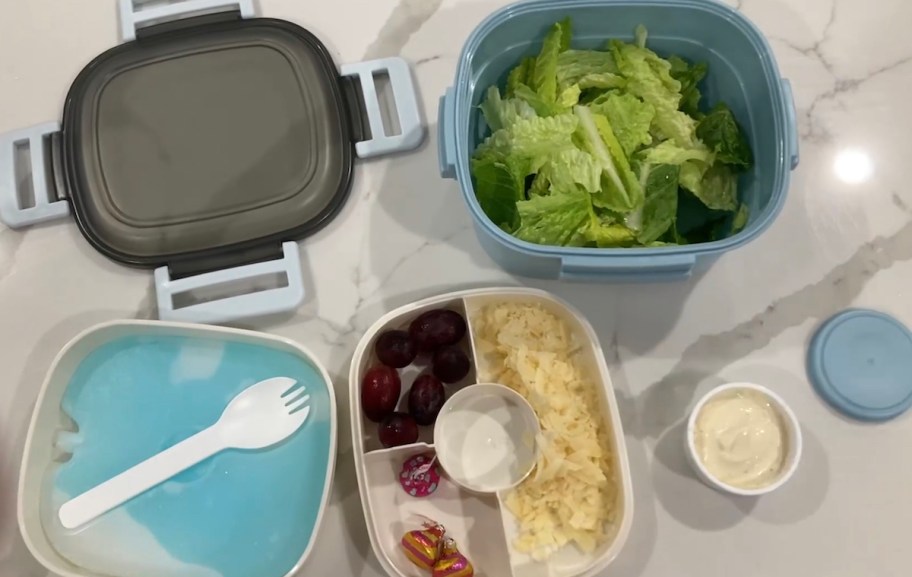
(741, 439)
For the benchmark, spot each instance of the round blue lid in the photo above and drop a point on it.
(860, 361)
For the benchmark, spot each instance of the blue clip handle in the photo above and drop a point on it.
(657, 268)
(400, 77)
(44, 209)
(265, 302)
(791, 118)
(446, 134)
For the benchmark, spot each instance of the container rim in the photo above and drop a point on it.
(751, 32)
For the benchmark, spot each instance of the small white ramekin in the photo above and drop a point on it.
(450, 437)
(793, 430)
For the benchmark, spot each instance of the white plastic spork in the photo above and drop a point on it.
(258, 417)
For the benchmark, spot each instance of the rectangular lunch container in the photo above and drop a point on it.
(742, 72)
(160, 382)
(204, 146)
(481, 525)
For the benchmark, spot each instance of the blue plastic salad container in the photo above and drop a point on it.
(742, 73)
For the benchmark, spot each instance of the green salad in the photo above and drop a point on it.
(609, 148)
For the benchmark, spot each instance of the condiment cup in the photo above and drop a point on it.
(793, 439)
(485, 438)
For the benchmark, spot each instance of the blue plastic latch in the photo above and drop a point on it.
(860, 362)
(791, 116)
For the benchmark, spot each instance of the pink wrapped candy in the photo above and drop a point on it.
(420, 475)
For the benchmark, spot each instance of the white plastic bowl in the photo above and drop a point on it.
(485, 438)
(793, 431)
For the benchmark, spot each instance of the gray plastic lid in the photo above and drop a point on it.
(860, 362)
(209, 137)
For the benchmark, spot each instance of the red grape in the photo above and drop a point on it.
(398, 429)
(425, 399)
(380, 389)
(451, 364)
(395, 349)
(436, 328)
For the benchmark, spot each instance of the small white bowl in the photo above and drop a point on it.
(793, 433)
(485, 438)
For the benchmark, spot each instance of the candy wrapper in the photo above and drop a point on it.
(420, 475)
(452, 563)
(423, 546)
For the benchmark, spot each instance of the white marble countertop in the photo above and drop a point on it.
(837, 244)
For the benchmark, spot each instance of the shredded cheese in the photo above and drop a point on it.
(571, 497)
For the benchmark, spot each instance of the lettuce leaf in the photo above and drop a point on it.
(740, 219)
(719, 188)
(540, 186)
(620, 188)
(630, 119)
(649, 77)
(534, 100)
(569, 168)
(500, 113)
(661, 204)
(556, 220)
(574, 65)
(566, 26)
(722, 133)
(569, 97)
(610, 235)
(522, 74)
(498, 189)
(668, 152)
(544, 79)
(604, 80)
(528, 143)
(689, 76)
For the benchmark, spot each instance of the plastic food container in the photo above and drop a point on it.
(480, 524)
(793, 439)
(123, 391)
(203, 147)
(742, 72)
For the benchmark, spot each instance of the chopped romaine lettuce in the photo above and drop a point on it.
(689, 76)
(545, 76)
(661, 203)
(609, 148)
(620, 189)
(720, 131)
(574, 65)
(498, 189)
(522, 74)
(503, 113)
(528, 143)
(630, 119)
(610, 235)
(740, 220)
(558, 219)
(718, 188)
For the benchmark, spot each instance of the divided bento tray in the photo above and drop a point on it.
(480, 524)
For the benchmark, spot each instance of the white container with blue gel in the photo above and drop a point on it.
(122, 392)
